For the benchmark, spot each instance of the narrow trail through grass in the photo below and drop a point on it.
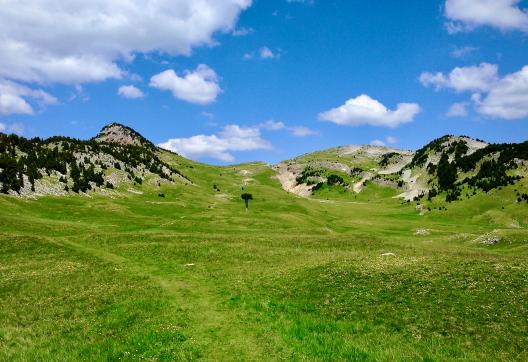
(214, 332)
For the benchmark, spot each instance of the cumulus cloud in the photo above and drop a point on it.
(364, 110)
(466, 15)
(15, 98)
(507, 99)
(130, 91)
(492, 96)
(458, 110)
(473, 78)
(52, 41)
(232, 138)
(199, 86)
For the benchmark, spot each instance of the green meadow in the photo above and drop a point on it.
(194, 276)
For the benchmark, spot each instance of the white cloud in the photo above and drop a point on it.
(14, 98)
(473, 78)
(10, 104)
(199, 86)
(462, 52)
(301, 131)
(248, 56)
(52, 41)
(493, 96)
(458, 110)
(266, 53)
(232, 138)
(508, 99)
(364, 110)
(272, 125)
(130, 91)
(296, 131)
(263, 53)
(466, 15)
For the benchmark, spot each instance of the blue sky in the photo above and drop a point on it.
(227, 81)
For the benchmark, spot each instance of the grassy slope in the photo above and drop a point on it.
(359, 159)
(100, 278)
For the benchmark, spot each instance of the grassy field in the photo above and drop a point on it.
(195, 276)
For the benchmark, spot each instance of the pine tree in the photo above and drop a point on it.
(446, 172)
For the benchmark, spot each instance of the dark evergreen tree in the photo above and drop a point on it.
(446, 172)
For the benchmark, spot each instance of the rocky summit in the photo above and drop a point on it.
(121, 135)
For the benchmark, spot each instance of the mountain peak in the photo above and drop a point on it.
(454, 146)
(121, 135)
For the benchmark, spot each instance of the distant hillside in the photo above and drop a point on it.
(118, 158)
(449, 167)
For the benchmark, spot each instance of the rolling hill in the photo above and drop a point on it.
(351, 264)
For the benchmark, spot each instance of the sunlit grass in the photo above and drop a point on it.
(194, 276)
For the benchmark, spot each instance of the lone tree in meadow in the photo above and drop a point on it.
(246, 197)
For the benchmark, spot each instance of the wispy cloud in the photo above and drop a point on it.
(264, 53)
(242, 31)
(463, 52)
(458, 110)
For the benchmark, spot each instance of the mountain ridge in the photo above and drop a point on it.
(119, 155)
